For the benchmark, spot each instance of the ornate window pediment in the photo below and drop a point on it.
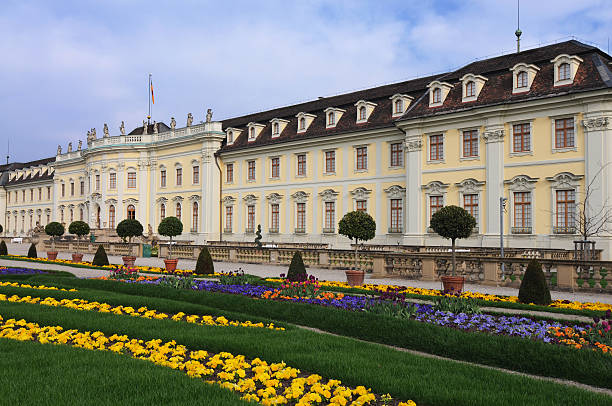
(470, 186)
(274, 198)
(395, 192)
(250, 199)
(130, 201)
(110, 201)
(521, 183)
(178, 199)
(96, 196)
(161, 200)
(435, 187)
(328, 195)
(194, 198)
(228, 201)
(360, 193)
(565, 180)
(300, 197)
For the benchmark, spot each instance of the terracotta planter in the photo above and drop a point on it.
(453, 284)
(52, 255)
(354, 277)
(170, 264)
(77, 257)
(128, 260)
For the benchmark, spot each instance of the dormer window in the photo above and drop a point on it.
(232, 134)
(304, 121)
(399, 104)
(230, 137)
(275, 129)
(364, 109)
(251, 134)
(254, 129)
(278, 125)
(333, 116)
(438, 92)
(470, 89)
(472, 86)
(566, 67)
(522, 77)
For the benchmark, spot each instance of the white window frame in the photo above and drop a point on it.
(553, 136)
(471, 186)
(356, 147)
(396, 192)
(564, 181)
(522, 183)
(300, 197)
(444, 147)
(521, 153)
(478, 136)
(433, 188)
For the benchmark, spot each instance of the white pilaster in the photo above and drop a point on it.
(494, 141)
(413, 209)
(120, 211)
(141, 184)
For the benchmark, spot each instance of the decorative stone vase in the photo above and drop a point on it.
(453, 284)
(77, 257)
(52, 255)
(128, 260)
(354, 277)
(170, 265)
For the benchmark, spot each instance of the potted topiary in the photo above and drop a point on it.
(128, 229)
(170, 227)
(79, 228)
(453, 222)
(53, 230)
(357, 225)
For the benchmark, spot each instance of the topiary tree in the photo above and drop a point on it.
(32, 251)
(534, 288)
(54, 229)
(204, 264)
(258, 236)
(100, 258)
(170, 227)
(79, 228)
(128, 229)
(297, 270)
(3, 249)
(357, 225)
(453, 222)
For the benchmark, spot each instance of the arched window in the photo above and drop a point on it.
(564, 71)
(470, 89)
(71, 215)
(230, 137)
(399, 106)
(331, 118)
(275, 129)
(178, 211)
(111, 216)
(302, 123)
(162, 212)
(194, 219)
(437, 95)
(521, 79)
(362, 113)
(131, 212)
(252, 133)
(81, 214)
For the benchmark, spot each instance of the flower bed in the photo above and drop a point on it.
(255, 379)
(28, 286)
(19, 271)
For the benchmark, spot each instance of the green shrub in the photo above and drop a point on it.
(170, 227)
(54, 230)
(297, 270)
(3, 249)
(204, 265)
(129, 228)
(32, 251)
(79, 228)
(533, 287)
(100, 258)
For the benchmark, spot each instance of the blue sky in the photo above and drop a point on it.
(69, 66)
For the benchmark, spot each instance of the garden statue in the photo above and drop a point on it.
(122, 128)
(189, 120)
(172, 123)
(209, 115)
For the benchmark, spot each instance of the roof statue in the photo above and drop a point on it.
(122, 128)
(155, 129)
(80, 147)
(189, 120)
(59, 150)
(209, 115)
(93, 133)
(105, 130)
(69, 147)
(89, 137)
(172, 123)
(144, 127)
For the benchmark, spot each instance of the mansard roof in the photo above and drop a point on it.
(44, 175)
(161, 127)
(594, 73)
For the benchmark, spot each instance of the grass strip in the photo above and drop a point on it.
(42, 374)
(383, 369)
(512, 353)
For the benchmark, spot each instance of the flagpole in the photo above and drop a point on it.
(149, 90)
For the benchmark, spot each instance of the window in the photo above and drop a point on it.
(98, 182)
(111, 216)
(331, 119)
(63, 192)
(162, 177)
(131, 180)
(251, 218)
(521, 79)
(361, 205)
(23, 194)
(397, 155)
(274, 217)
(302, 124)
(48, 192)
(82, 188)
(275, 167)
(399, 107)
(252, 133)
(131, 212)
(71, 215)
(522, 213)
(112, 181)
(230, 137)
(435, 204)
(275, 129)
(564, 71)
(437, 95)
(362, 158)
(330, 161)
(330, 216)
(470, 204)
(470, 89)
(194, 217)
(162, 211)
(564, 133)
(566, 210)
(31, 194)
(229, 173)
(251, 170)
(436, 147)
(301, 165)
(301, 218)
(179, 176)
(48, 218)
(470, 143)
(229, 212)
(81, 214)
(362, 113)
(178, 211)
(521, 134)
(396, 216)
(71, 188)
(196, 175)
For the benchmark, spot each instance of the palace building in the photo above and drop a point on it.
(534, 127)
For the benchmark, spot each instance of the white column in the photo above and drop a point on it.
(54, 213)
(102, 202)
(211, 183)
(413, 209)
(494, 161)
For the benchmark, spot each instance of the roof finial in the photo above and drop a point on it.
(518, 31)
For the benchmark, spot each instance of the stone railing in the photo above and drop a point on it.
(91, 248)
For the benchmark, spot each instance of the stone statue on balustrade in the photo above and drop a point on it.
(105, 130)
(93, 133)
(209, 115)
(69, 147)
(122, 128)
(155, 128)
(172, 123)
(145, 127)
(189, 120)
(89, 137)
(80, 147)
(59, 150)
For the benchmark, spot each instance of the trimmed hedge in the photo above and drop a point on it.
(100, 258)
(297, 270)
(204, 264)
(32, 251)
(3, 248)
(534, 288)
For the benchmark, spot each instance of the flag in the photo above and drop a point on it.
(152, 97)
